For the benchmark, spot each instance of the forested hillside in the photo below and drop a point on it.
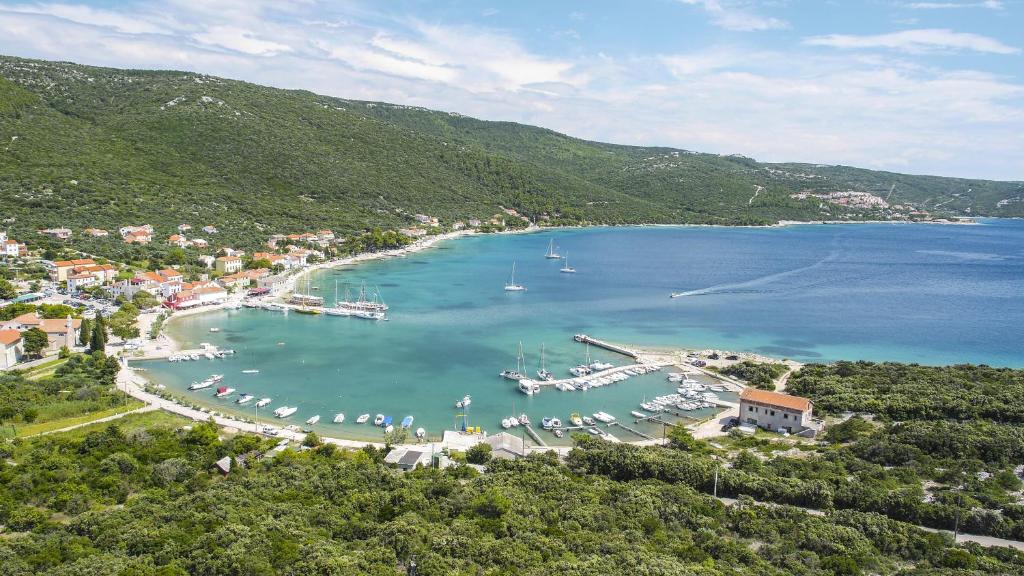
(84, 146)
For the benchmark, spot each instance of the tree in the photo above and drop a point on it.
(123, 322)
(479, 454)
(85, 332)
(143, 300)
(98, 341)
(312, 440)
(35, 341)
(7, 291)
(260, 263)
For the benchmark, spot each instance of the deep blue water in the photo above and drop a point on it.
(914, 293)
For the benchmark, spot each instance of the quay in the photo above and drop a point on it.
(592, 375)
(628, 429)
(584, 339)
(536, 437)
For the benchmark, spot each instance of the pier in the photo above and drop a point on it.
(628, 429)
(536, 437)
(584, 339)
(591, 376)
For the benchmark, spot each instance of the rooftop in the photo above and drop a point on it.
(776, 399)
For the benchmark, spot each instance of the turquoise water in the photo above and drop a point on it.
(914, 293)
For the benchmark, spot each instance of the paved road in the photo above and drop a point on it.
(986, 541)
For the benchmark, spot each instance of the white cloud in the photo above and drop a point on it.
(119, 21)
(989, 4)
(728, 15)
(917, 41)
(239, 40)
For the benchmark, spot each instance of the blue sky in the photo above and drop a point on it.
(931, 87)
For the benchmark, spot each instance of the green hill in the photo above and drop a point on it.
(85, 146)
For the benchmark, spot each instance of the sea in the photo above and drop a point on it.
(921, 293)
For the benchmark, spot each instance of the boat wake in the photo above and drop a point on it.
(751, 286)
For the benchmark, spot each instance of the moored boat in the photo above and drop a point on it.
(244, 398)
(339, 417)
(224, 391)
(313, 420)
(285, 411)
(465, 402)
(362, 418)
(407, 421)
(378, 420)
(263, 402)
(420, 433)
(575, 419)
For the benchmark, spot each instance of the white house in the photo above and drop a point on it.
(77, 282)
(405, 459)
(11, 348)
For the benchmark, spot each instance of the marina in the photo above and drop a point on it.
(451, 334)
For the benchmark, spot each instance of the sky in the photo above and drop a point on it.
(932, 87)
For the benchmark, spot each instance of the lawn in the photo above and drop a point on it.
(42, 427)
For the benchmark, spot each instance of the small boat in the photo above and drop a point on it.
(677, 294)
(598, 366)
(465, 402)
(251, 371)
(604, 417)
(524, 419)
(214, 329)
(245, 398)
(556, 423)
(559, 433)
(309, 311)
(581, 370)
(378, 420)
(340, 417)
(313, 420)
(362, 418)
(407, 422)
(638, 414)
(215, 378)
(506, 423)
(575, 419)
(544, 373)
(387, 422)
(224, 391)
(512, 286)
(552, 254)
(528, 387)
(588, 421)
(545, 423)
(594, 431)
(516, 374)
(566, 269)
(421, 433)
(263, 402)
(285, 411)
(388, 428)
(200, 385)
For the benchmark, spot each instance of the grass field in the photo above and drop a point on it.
(43, 427)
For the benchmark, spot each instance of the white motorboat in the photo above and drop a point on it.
(528, 387)
(524, 420)
(598, 366)
(224, 391)
(339, 418)
(465, 402)
(506, 423)
(313, 419)
(638, 414)
(362, 419)
(251, 371)
(245, 398)
(580, 370)
(511, 286)
(200, 385)
(421, 433)
(604, 417)
(378, 420)
(285, 411)
(263, 402)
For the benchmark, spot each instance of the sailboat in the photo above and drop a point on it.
(565, 266)
(306, 298)
(252, 370)
(543, 373)
(512, 286)
(337, 309)
(516, 374)
(552, 255)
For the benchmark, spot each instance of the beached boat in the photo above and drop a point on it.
(263, 402)
(420, 433)
(339, 417)
(378, 420)
(511, 286)
(362, 418)
(245, 398)
(552, 254)
(224, 391)
(407, 421)
(313, 420)
(465, 402)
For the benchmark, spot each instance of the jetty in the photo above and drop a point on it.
(584, 339)
(536, 437)
(628, 429)
(593, 375)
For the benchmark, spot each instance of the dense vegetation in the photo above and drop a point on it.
(85, 146)
(758, 374)
(127, 499)
(81, 385)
